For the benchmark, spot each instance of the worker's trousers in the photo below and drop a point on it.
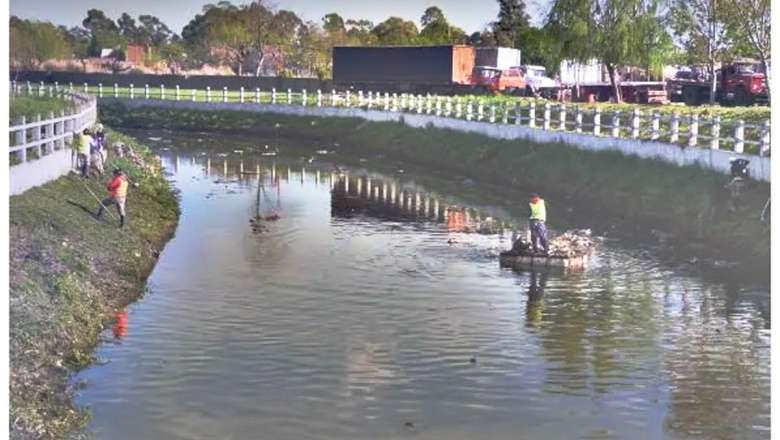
(82, 163)
(538, 235)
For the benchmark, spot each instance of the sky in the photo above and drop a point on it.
(470, 15)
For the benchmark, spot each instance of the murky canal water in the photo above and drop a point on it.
(353, 317)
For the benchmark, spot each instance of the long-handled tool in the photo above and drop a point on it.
(98, 199)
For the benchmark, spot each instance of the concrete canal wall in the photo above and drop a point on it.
(716, 160)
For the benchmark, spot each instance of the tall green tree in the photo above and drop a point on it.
(701, 27)
(512, 22)
(606, 30)
(104, 33)
(359, 32)
(396, 31)
(32, 42)
(436, 29)
(750, 24)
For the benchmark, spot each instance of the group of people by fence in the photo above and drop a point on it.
(90, 151)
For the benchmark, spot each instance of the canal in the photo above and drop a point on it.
(375, 307)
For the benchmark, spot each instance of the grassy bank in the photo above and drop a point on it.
(31, 106)
(687, 207)
(68, 273)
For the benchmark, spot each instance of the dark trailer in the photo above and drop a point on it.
(403, 68)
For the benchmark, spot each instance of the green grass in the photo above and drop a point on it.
(32, 106)
(689, 203)
(68, 272)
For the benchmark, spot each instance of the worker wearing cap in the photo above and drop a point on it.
(536, 222)
(117, 189)
(81, 143)
(100, 138)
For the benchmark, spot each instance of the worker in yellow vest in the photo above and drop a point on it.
(81, 143)
(536, 221)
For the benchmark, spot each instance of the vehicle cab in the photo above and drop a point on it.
(538, 82)
(744, 83)
(493, 79)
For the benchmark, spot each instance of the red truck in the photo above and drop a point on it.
(492, 79)
(740, 83)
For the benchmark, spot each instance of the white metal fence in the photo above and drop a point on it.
(45, 134)
(685, 130)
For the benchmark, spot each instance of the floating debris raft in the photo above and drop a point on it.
(571, 250)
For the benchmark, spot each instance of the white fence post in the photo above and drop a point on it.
(224, 94)
(241, 94)
(420, 104)
(458, 107)
(469, 110)
(100, 90)
(546, 123)
(60, 129)
(304, 98)
(674, 131)
(739, 137)
(208, 93)
(438, 105)
(715, 133)
(86, 87)
(532, 114)
(36, 134)
(162, 91)
(193, 95)
(50, 132)
(562, 117)
(765, 139)
(319, 98)
(505, 117)
(693, 138)
(347, 98)
(480, 110)
(289, 96)
(578, 119)
(257, 95)
(361, 101)
(635, 124)
(428, 104)
(333, 98)
(178, 93)
(273, 95)
(656, 126)
(492, 113)
(21, 139)
(132, 92)
(616, 124)
(146, 91)
(370, 100)
(395, 102)
(116, 90)
(387, 101)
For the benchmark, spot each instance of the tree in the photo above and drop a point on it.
(104, 33)
(436, 29)
(606, 30)
(749, 22)
(701, 27)
(512, 22)
(152, 31)
(128, 28)
(32, 42)
(333, 24)
(359, 31)
(395, 31)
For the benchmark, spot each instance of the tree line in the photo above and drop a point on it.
(257, 39)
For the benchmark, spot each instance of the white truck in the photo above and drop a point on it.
(538, 83)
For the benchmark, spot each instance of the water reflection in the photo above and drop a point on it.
(352, 315)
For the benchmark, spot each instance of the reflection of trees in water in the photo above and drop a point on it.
(718, 369)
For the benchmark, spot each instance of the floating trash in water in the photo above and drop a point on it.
(222, 154)
(269, 153)
(323, 152)
(154, 138)
(363, 159)
(238, 151)
(200, 139)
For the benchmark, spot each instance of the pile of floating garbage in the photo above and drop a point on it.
(571, 249)
(572, 244)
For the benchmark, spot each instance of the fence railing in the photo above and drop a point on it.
(45, 134)
(685, 130)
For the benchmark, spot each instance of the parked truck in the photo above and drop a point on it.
(739, 83)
